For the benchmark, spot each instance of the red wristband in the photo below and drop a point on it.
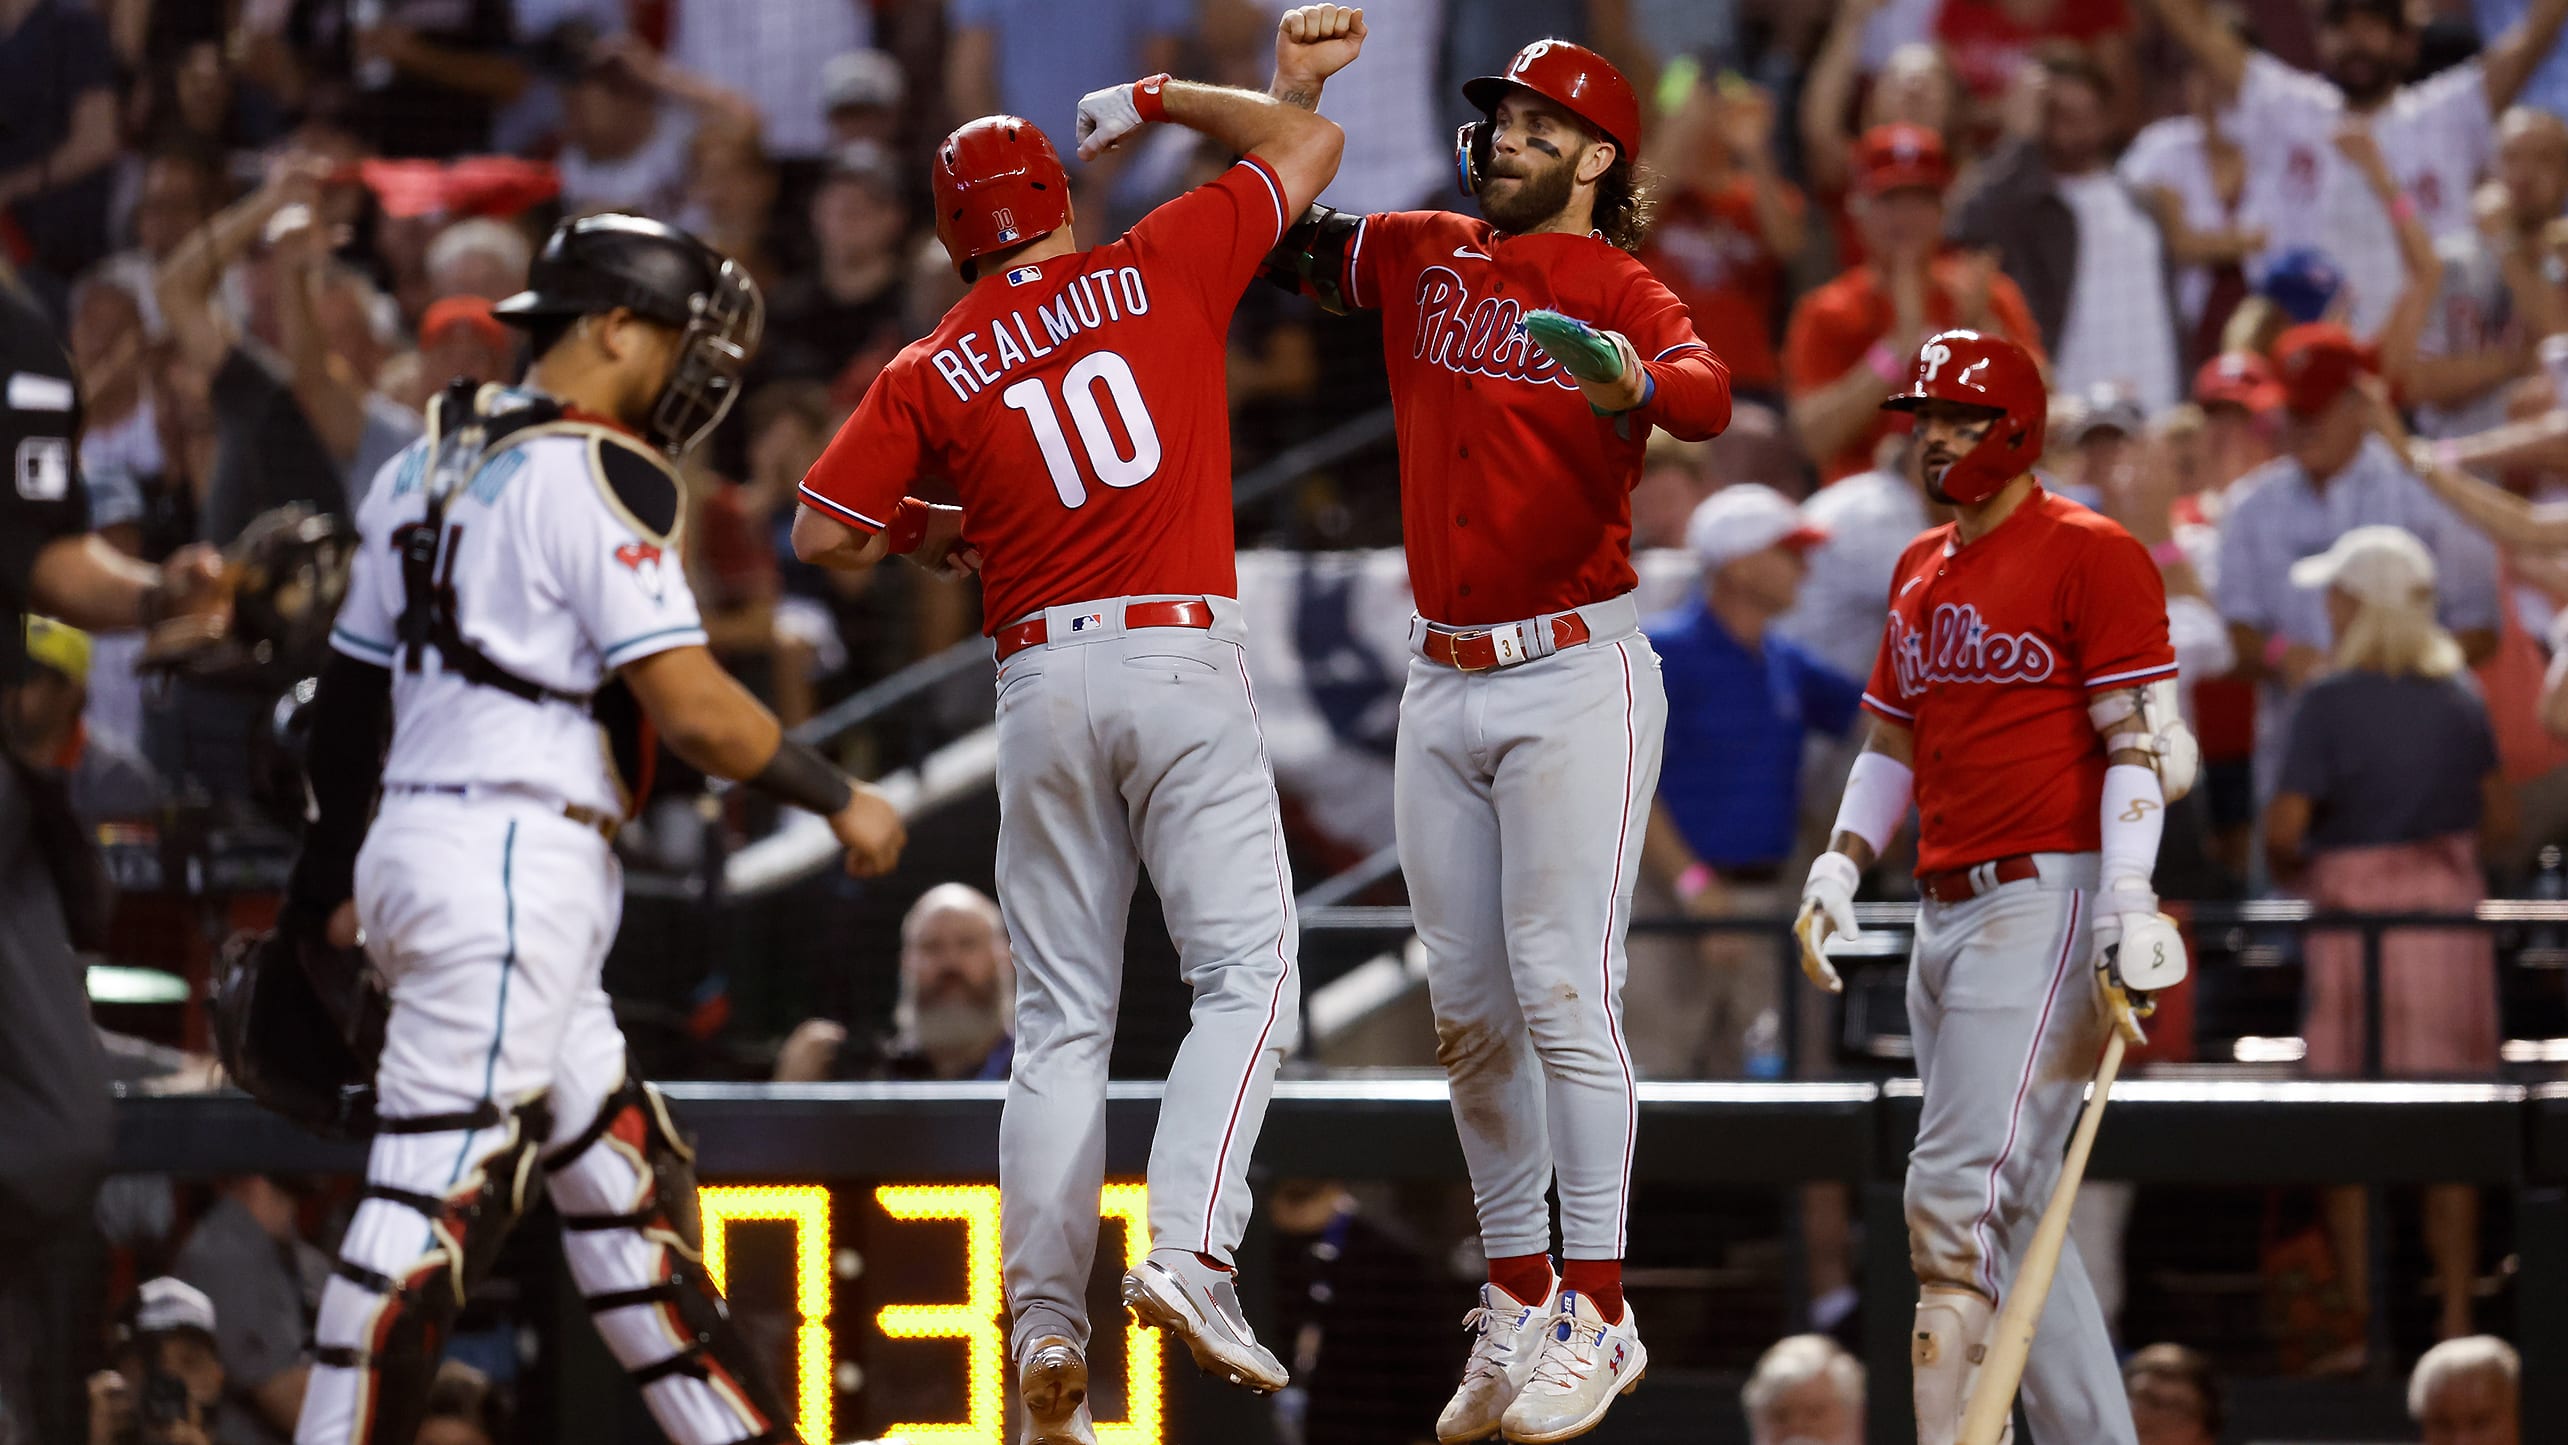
(908, 528)
(2402, 207)
(2167, 553)
(1696, 877)
(2277, 647)
(1149, 96)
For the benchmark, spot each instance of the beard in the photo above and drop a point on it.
(2365, 79)
(955, 1023)
(1931, 469)
(1537, 195)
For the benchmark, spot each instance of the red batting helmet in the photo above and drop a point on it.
(1575, 78)
(999, 184)
(1991, 372)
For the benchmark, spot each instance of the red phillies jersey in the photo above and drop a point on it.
(1079, 407)
(1990, 655)
(1515, 497)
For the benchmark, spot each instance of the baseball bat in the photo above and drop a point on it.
(1992, 1400)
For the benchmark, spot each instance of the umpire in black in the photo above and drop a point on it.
(55, 1120)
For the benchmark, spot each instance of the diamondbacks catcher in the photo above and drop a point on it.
(1076, 401)
(2025, 699)
(516, 600)
(1530, 355)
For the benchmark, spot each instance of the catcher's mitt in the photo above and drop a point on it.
(299, 1025)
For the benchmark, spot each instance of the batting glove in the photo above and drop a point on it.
(1603, 363)
(2138, 951)
(1827, 911)
(1107, 116)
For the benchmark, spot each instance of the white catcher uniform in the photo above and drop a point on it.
(489, 895)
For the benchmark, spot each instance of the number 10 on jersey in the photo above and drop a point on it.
(1106, 458)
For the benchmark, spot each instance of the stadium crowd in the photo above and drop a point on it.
(2298, 270)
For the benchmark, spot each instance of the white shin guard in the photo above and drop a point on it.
(1944, 1354)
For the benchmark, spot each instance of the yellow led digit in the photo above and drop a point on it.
(975, 1320)
(1129, 1204)
(806, 1208)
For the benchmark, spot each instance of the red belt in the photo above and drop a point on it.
(1017, 637)
(1480, 651)
(1961, 885)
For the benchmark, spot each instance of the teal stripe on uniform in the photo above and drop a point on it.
(362, 644)
(499, 1025)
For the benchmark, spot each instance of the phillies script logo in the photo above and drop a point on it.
(1483, 337)
(1958, 647)
(642, 560)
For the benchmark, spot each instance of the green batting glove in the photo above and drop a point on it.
(1583, 351)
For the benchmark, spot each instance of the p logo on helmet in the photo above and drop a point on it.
(1990, 372)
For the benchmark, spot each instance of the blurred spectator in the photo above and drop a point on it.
(1990, 43)
(120, 442)
(1675, 478)
(167, 1384)
(2174, 1399)
(1741, 703)
(1806, 1391)
(41, 718)
(179, 190)
(2467, 1392)
(2334, 475)
(2090, 435)
(2193, 176)
(1870, 518)
(1035, 58)
(957, 1006)
(776, 53)
(1726, 223)
(2242, 411)
(864, 96)
(2389, 788)
(731, 568)
(415, 77)
(1399, 149)
(1354, 1298)
(477, 256)
(848, 304)
(248, 1256)
(2478, 336)
(2434, 135)
(732, 187)
(463, 1408)
(629, 123)
(459, 337)
(291, 428)
(1914, 86)
(60, 77)
(2076, 241)
(1854, 341)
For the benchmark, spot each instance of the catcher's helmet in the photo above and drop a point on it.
(998, 183)
(1575, 78)
(598, 263)
(1990, 372)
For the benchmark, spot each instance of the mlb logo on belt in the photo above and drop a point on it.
(1082, 624)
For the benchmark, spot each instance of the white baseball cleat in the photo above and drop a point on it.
(1583, 1364)
(1506, 1337)
(1208, 1319)
(1054, 1385)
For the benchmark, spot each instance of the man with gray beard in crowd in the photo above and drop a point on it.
(958, 992)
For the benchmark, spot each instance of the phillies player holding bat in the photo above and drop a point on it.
(2026, 697)
(1076, 400)
(1530, 355)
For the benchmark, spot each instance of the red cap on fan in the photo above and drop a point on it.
(998, 184)
(1575, 78)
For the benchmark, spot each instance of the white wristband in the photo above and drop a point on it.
(1877, 794)
(2134, 818)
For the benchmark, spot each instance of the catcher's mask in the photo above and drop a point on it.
(298, 1025)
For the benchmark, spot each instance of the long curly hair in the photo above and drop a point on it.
(1626, 203)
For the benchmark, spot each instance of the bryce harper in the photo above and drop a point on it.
(1076, 401)
(2025, 701)
(518, 587)
(1530, 355)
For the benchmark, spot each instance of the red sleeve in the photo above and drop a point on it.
(1689, 386)
(2116, 607)
(1377, 257)
(869, 466)
(1212, 238)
